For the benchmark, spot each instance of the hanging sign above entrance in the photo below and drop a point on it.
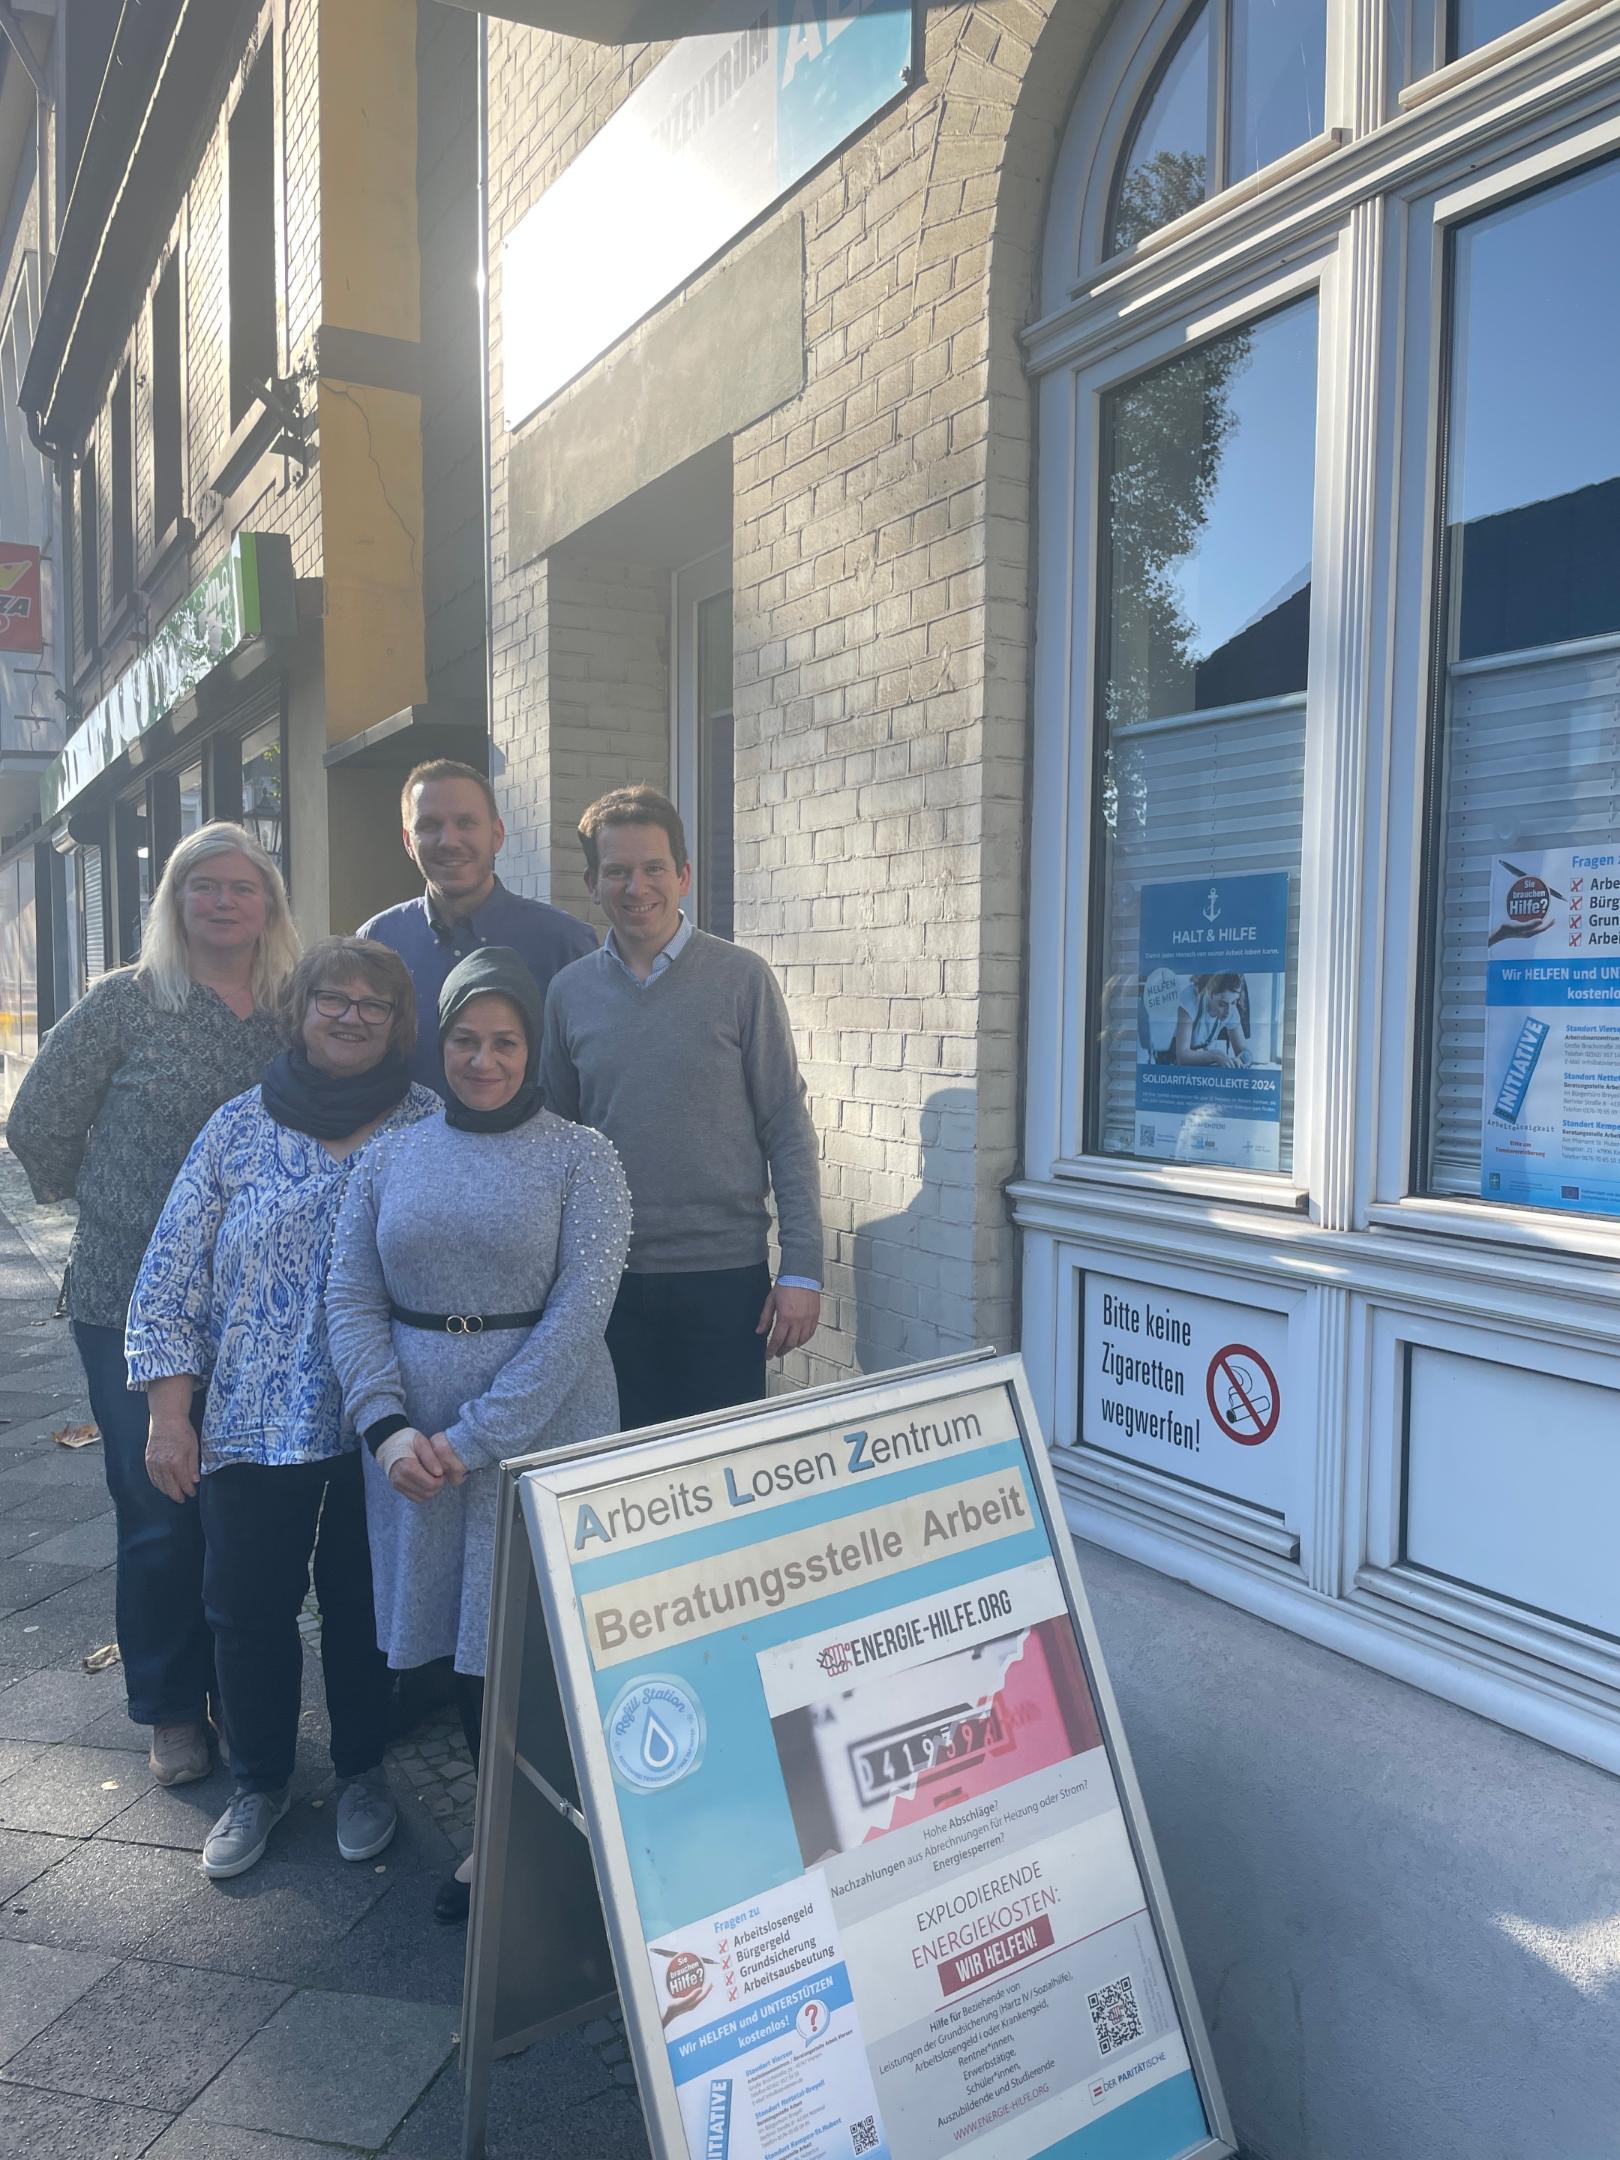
(726, 125)
(873, 1865)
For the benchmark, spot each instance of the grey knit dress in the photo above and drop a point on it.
(443, 1221)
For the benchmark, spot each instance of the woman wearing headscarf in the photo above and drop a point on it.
(231, 1295)
(122, 1086)
(476, 1263)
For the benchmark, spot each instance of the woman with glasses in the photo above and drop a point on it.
(231, 1295)
(476, 1263)
(122, 1086)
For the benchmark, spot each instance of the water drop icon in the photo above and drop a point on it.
(657, 1744)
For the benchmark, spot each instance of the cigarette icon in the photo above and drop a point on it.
(1516, 1080)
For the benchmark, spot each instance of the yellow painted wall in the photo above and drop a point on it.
(371, 501)
(371, 440)
(369, 275)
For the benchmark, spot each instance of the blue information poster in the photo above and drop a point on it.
(883, 1878)
(1551, 1111)
(1209, 1026)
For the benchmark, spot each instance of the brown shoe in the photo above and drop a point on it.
(180, 1754)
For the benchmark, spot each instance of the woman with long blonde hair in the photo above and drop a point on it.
(122, 1086)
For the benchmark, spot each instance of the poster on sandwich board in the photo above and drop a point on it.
(873, 1863)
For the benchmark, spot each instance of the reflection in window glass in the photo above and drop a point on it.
(263, 800)
(1207, 515)
(1278, 70)
(1271, 58)
(1476, 22)
(1166, 166)
(1532, 702)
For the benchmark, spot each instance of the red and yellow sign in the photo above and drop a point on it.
(22, 622)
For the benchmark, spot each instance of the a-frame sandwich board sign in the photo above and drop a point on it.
(798, 1736)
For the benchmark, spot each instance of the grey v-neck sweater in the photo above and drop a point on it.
(694, 1079)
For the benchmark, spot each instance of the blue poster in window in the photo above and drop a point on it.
(1551, 1114)
(1209, 1022)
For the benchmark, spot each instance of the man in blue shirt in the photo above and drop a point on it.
(453, 832)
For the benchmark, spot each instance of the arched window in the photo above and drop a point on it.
(1324, 936)
(1242, 83)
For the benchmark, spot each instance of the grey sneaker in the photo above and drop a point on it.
(238, 1839)
(366, 1815)
(180, 1753)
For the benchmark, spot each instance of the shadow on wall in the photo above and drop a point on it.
(914, 1271)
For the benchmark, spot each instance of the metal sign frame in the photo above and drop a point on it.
(570, 1795)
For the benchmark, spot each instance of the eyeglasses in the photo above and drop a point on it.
(333, 1005)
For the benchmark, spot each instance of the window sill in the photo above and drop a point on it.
(249, 440)
(1497, 53)
(174, 542)
(1547, 1232)
(1253, 1188)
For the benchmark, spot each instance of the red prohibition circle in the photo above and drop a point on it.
(1244, 1397)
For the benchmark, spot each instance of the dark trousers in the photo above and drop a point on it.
(262, 1523)
(683, 1344)
(470, 1709)
(168, 1652)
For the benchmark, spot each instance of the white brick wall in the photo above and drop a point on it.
(882, 624)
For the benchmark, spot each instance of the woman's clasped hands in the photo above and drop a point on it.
(420, 1465)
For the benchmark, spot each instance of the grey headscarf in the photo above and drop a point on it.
(494, 971)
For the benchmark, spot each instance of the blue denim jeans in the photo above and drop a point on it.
(168, 1650)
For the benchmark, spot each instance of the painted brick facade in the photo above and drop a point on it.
(882, 624)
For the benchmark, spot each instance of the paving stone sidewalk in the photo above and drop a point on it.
(307, 2008)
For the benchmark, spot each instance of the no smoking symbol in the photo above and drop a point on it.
(1243, 1395)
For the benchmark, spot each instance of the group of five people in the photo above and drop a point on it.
(358, 1225)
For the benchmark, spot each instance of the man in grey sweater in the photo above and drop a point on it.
(677, 1046)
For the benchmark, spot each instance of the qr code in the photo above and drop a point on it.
(863, 2135)
(1115, 2016)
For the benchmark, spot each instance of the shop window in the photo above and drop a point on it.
(1530, 718)
(1204, 637)
(252, 239)
(89, 563)
(1243, 84)
(263, 794)
(92, 904)
(192, 814)
(167, 420)
(121, 489)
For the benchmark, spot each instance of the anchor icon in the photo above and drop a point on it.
(1212, 906)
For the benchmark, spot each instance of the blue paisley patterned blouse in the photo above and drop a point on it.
(233, 1284)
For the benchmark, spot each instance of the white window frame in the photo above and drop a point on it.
(703, 579)
(1356, 1256)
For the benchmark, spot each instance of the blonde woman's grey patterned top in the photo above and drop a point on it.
(108, 1112)
(441, 1221)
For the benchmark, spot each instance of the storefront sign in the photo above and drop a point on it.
(232, 604)
(1551, 1113)
(726, 125)
(22, 617)
(1210, 1021)
(840, 1733)
(1194, 1387)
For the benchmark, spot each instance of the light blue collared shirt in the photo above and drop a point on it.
(662, 962)
(665, 960)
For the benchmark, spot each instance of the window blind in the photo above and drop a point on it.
(1532, 761)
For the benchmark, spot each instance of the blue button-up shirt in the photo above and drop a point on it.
(544, 938)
